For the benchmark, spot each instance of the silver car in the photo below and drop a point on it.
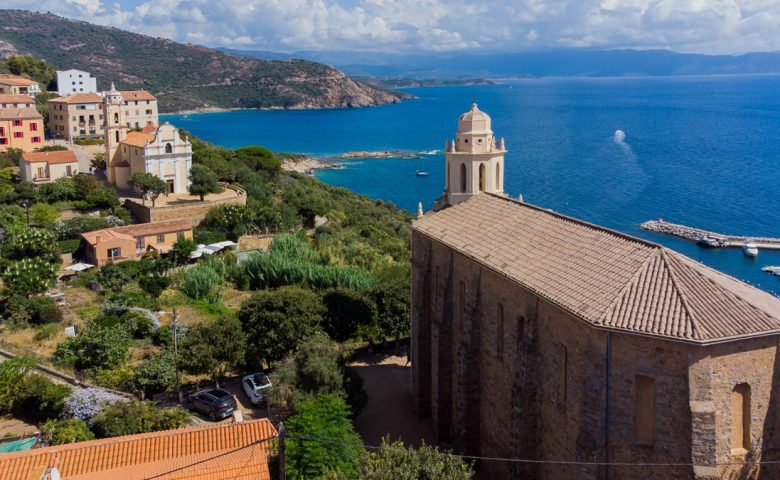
(254, 385)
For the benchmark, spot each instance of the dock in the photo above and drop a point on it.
(694, 234)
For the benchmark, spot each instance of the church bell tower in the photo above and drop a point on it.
(114, 128)
(475, 162)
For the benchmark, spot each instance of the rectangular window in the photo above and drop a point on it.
(3, 141)
(140, 243)
(33, 127)
(160, 238)
(645, 410)
(462, 303)
(18, 134)
(2, 131)
(148, 112)
(41, 172)
(36, 139)
(18, 123)
(564, 366)
(500, 332)
(114, 253)
(68, 169)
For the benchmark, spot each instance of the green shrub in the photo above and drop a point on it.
(30, 276)
(154, 284)
(112, 277)
(88, 141)
(69, 246)
(156, 373)
(395, 461)
(46, 332)
(96, 348)
(41, 397)
(347, 310)
(69, 430)
(132, 417)
(202, 283)
(213, 347)
(21, 311)
(324, 417)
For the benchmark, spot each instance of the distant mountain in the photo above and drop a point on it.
(542, 63)
(183, 77)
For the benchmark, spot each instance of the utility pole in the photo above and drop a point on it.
(176, 354)
(282, 436)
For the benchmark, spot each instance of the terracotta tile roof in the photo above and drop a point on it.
(52, 158)
(9, 79)
(15, 113)
(78, 98)
(138, 139)
(170, 226)
(137, 230)
(13, 98)
(213, 452)
(132, 95)
(151, 128)
(607, 278)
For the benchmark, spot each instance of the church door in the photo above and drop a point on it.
(170, 186)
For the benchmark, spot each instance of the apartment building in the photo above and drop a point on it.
(140, 108)
(21, 128)
(76, 116)
(74, 81)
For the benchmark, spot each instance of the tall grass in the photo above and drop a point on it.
(202, 282)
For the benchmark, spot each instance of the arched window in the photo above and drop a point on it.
(117, 135)
(462, 177)
(116, 117)
(168, 148)
(740, 418)
(498, 176)
(481, 177)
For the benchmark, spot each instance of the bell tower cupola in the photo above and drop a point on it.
(475, 161)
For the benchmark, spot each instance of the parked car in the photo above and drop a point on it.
(254, 386)
(216, 403)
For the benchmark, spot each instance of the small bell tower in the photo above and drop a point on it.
(114, 128)
(475, 161)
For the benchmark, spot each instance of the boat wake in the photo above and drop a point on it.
(430, 152)
(619, 137)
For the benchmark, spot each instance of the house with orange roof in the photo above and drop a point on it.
(11, 100)
(237, 451)
(17, 85)
(46, 167)
(79, 115)
(21, 128)
(130, 242)
(140, 108)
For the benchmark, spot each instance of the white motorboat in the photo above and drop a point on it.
(750, 248)
(772, 270)
(709, 242)
(421, 173)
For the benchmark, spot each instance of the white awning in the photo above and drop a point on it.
(79, 267)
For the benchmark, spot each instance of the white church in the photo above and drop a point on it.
(158, 150)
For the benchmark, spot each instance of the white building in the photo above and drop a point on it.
(75, 81)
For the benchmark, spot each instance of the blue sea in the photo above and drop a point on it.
(702, 151)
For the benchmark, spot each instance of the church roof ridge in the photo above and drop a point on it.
(607, 278)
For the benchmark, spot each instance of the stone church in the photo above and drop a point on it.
(537, 336)
(156, 150)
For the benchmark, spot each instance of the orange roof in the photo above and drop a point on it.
(13, 98)
(52, 158)
(151, 128)
(138, 139)
(137, 230)
(18, 113)
(8, 79)
(609, 279)
(132, 95)
(213, 452)
(78, 98)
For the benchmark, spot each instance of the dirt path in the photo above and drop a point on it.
(389, 410)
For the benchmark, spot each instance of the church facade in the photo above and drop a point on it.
(539, 337)
(156, 150)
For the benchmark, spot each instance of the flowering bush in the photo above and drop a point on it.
(30, 275)
(86, 403)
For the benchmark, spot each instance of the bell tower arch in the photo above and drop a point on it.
(475, 161)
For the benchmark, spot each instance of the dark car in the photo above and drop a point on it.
(216, 403)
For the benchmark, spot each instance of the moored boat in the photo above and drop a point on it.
(750, 249)
(421, 173)
(708, 241)
(772, 270)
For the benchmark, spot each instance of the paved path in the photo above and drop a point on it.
(389, 410)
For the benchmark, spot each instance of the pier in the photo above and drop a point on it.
(694, 234)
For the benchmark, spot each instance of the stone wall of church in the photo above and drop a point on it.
(535, 384)
(193, 211)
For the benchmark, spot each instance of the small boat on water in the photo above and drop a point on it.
(421, 173)
(772, 270)
(750, 248)
(708, 241)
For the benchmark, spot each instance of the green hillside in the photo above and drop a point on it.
(183, 77)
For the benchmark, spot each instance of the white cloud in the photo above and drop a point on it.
(710, 26)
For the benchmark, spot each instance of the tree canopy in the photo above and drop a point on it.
(203, 181)
(150, 185)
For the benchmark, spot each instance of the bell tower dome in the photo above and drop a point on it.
(475, 161)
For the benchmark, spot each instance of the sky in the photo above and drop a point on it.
(415, 26)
